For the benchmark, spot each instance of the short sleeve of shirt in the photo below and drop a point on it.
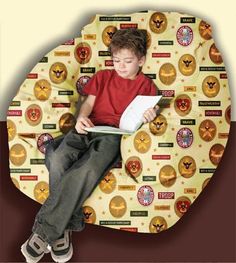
(91, 88)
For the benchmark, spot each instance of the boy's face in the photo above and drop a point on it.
(126, 63)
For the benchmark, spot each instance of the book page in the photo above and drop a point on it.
(131, 118)
(107, 129)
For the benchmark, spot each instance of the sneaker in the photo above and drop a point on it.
(34, 248)
(62, 250)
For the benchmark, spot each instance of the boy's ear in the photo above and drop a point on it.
(142, 61)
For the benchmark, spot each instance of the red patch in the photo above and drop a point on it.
(183, 206)
(33, 114)
(183, 104)
(83, 52)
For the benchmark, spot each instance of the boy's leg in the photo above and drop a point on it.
(68, 196)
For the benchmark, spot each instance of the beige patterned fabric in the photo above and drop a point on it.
(172, 158)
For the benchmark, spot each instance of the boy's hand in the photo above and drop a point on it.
(82, 123)
(150, 114)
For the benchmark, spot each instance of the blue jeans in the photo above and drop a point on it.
(76, 164)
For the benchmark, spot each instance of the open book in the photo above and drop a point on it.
(131, 119)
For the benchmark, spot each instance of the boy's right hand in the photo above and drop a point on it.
(82, 123)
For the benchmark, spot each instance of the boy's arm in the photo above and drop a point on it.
(85, 110)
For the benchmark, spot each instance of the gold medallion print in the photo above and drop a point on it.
(117, 206)
(157, 224)
(216, 153)
(58, 73)
(41, 191)
(167, 175)
(210, 86)
(205, 183)
(205, 30)
(207, 130)
(11, 129)
(159, 125)
(187, 65)
(158, 23)
(142, 142)
(17, 154)
(66, 122)
(42, 89)
(187, 167)
(107, 34)
(89, 215)
(108, 183)
(215, 55)
(167, 74)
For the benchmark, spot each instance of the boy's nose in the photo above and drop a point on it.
(122, 64)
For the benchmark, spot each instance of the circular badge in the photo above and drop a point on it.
(66, 122)
(58, 73)
(184, 137)
(216, 153)
(167, 74)
(210, 86)
(205, 183)
(33, 114)
(108, 183)
(16, 183)
(157, 224)
(207, 130)
(182, 205)
(205, 30)
(159, 125)
(134, 166)
(142, 142)
(158, 23)
(167, 175)
(44, 137)
(145, 195)
(117, 206)
(215, 55)
(183, 104)
(89, 215)
(83, 53)
(42, 89)
(80, 83)
(187, 65)
(11, 129)
(17, 154)
(41, 192)
(107, 35)
(149, 40)
(187, 167)
(184, 35)
(228, 114)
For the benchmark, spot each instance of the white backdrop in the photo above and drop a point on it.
(29, 29)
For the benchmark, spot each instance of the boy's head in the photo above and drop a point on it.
(128, 50)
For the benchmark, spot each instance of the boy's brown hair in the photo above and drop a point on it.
(132, 39)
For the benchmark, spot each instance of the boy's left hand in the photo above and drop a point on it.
(150, 114)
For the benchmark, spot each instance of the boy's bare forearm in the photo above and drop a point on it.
(85, 110)
(87, 106)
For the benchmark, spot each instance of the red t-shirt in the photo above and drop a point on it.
(114, 93)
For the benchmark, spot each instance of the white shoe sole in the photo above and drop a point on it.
(63, 259)
(29, 258)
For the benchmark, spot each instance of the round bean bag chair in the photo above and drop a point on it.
(172, 158)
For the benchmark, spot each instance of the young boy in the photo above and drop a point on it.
(80, 160)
